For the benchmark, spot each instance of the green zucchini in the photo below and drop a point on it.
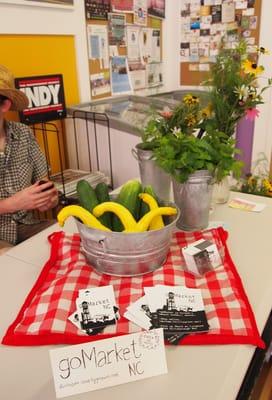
(129, 198)
(86, 195)
(102, 194)
(144, 208)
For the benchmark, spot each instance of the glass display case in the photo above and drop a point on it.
(177, 95)
(125, 113)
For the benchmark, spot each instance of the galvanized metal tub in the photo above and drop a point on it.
(151, 173)
(127, 254)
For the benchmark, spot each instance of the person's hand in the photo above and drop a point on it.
(34, 197)
(53, 201)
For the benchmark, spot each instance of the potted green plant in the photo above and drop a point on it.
(193, 163)
(185, 116)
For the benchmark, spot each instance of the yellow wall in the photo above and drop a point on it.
(29, 55)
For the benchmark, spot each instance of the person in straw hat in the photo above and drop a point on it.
(22, 167)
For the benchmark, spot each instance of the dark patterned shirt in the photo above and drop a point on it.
(21, 164)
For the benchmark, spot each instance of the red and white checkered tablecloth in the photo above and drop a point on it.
(43, 318)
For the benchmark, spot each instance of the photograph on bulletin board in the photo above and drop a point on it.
(137, 71)
(120, 79)
(156, 8)
(100, 83)
(122, 5)
(97, 9)
(140, 12)
(116, 26)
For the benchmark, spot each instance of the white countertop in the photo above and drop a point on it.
(195, 372)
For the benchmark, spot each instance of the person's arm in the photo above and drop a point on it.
(5, 206)
(30, 198)
(39, 174)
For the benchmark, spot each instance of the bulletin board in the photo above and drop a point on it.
(95, 64)
(190, 74)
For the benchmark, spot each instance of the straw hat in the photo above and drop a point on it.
(17, 97)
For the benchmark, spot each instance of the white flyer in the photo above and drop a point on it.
(98, 47)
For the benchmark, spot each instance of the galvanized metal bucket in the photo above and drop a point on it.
(151, 173)
(194, 200)
(126, 254)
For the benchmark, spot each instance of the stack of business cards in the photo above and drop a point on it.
(95, 309)
(176, 309)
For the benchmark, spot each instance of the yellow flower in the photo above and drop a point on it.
(189, 99)
(191, 120)
(207, 111)
(262, 50)
(267, 185)
(252, 68)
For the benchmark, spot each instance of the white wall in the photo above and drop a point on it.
(263, 124)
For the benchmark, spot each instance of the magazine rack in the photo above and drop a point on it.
(101, 145)
(60, 169)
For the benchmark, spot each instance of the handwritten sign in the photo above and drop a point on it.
(96, 365)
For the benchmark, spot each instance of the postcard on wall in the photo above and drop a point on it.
(154, 74)
(184, 51)
(194, 67)
(249, 12)
(156, 8)
(216, 14)
(204, 67)
(156, 45)
(241, 5)
(137, 72)
(96, 365)
(122, 5)
(120, 79)
(133, 37)
(98, 44)
(140, 12)
(146, 44)
(100, 83)
(98, 9)
(117, 34)
(228, 12)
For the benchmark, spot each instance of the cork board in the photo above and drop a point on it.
(195, 78)
(94, 65)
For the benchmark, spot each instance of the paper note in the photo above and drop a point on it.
(246, 205)
(109, 362)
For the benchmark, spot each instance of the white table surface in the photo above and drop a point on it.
(195, 372)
